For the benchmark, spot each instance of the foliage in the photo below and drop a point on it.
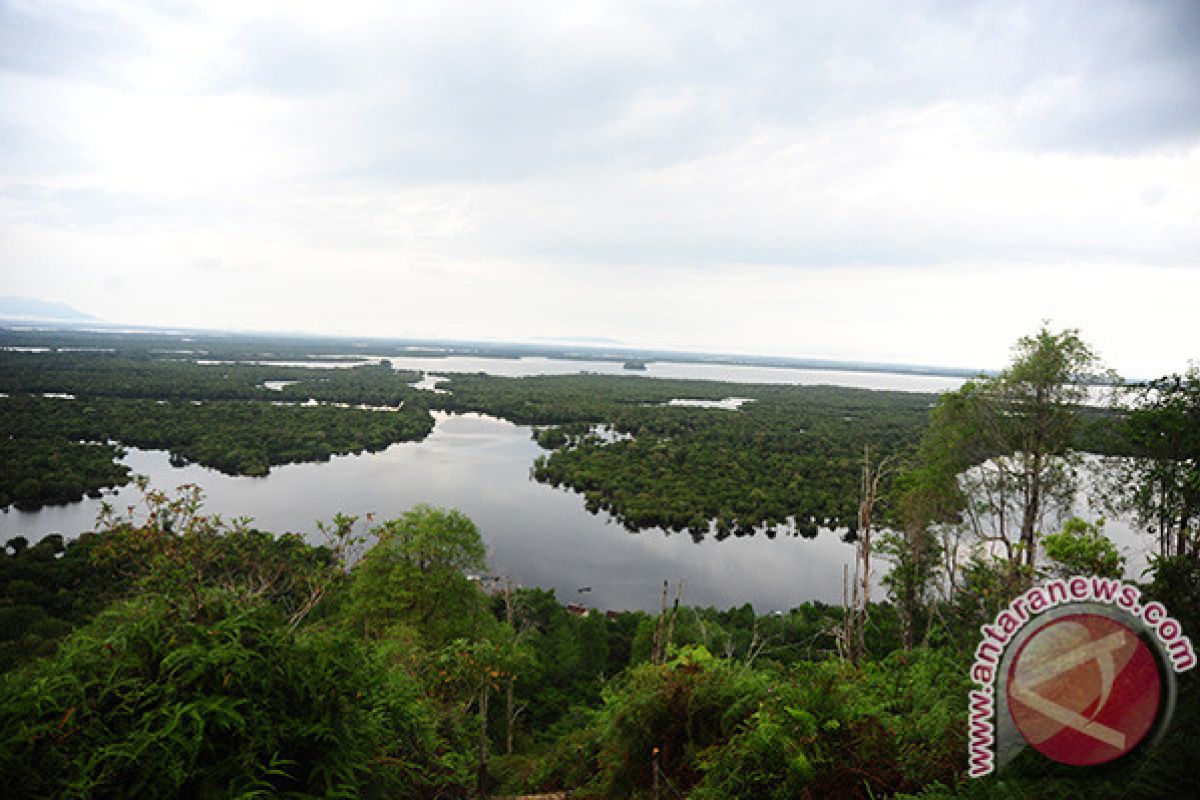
(37, 472)
(145, 703)
(48, 589)
(416, 575)
(916, 570)
(988, 583)
(1018, 429)
(827, 730)
(220, 676)
(570, 656)
(787, 462)
(232, 662)
(167, 376)
(663, 716)
(177, 552)
(1081, 548)
(711, 729)
(1160, 483)
(41, 435)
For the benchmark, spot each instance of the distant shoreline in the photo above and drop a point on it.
(12, 329)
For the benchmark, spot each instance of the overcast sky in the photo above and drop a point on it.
(919, 182)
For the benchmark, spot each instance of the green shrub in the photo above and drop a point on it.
(146, 703)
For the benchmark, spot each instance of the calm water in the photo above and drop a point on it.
(517, 367)
(539, 535)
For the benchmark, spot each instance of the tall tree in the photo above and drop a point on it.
(872, 474)
(914, 549)
(1001, 447)
(417, 575)
(1160, 485)
(1033, 415)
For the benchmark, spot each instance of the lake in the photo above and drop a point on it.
(734, 373)
(538, 535)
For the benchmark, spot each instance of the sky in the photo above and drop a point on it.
(915, 182)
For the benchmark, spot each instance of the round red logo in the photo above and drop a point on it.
(1084, 689)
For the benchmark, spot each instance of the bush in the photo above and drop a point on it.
(146, 703)
(670, 714)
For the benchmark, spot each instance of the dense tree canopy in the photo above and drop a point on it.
(788, 458)
(419, 574)
(46, 455)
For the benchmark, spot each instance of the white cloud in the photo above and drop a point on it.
(819, 180)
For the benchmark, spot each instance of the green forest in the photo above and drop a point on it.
(788, 460)
(170, 653)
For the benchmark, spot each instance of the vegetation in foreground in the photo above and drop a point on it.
(177, 655)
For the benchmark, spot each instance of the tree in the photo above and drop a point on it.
(177, 552)
(211, 680)
(1160, 485)
(1081, 548)
(1017, 430)
(929, 503)
(915, 552)
(417, 575)
(856, 619)
(476, 669)
(144, 702)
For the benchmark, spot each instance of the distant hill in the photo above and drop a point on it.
(30, 308)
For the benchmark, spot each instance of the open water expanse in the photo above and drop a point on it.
(538, 535)
(734, 373)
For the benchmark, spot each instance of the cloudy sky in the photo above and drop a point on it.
(919, 182)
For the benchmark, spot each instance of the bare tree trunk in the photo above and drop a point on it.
(871, 478)
(509, 712)
(674, 613)
(481, 780)
(757, 644)
(1181, 538)
(1033, 511)
(509, 717)
(844, 638)
(704, 637)
(1003, 489)
(908, 602)
(864, 555)
(654, 770)
(656, 648)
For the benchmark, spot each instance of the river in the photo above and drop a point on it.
(538, 535)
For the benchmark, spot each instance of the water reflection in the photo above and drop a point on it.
(430, 383)
(539, 535)
(729, 403)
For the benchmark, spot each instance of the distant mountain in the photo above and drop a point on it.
(30, 308)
